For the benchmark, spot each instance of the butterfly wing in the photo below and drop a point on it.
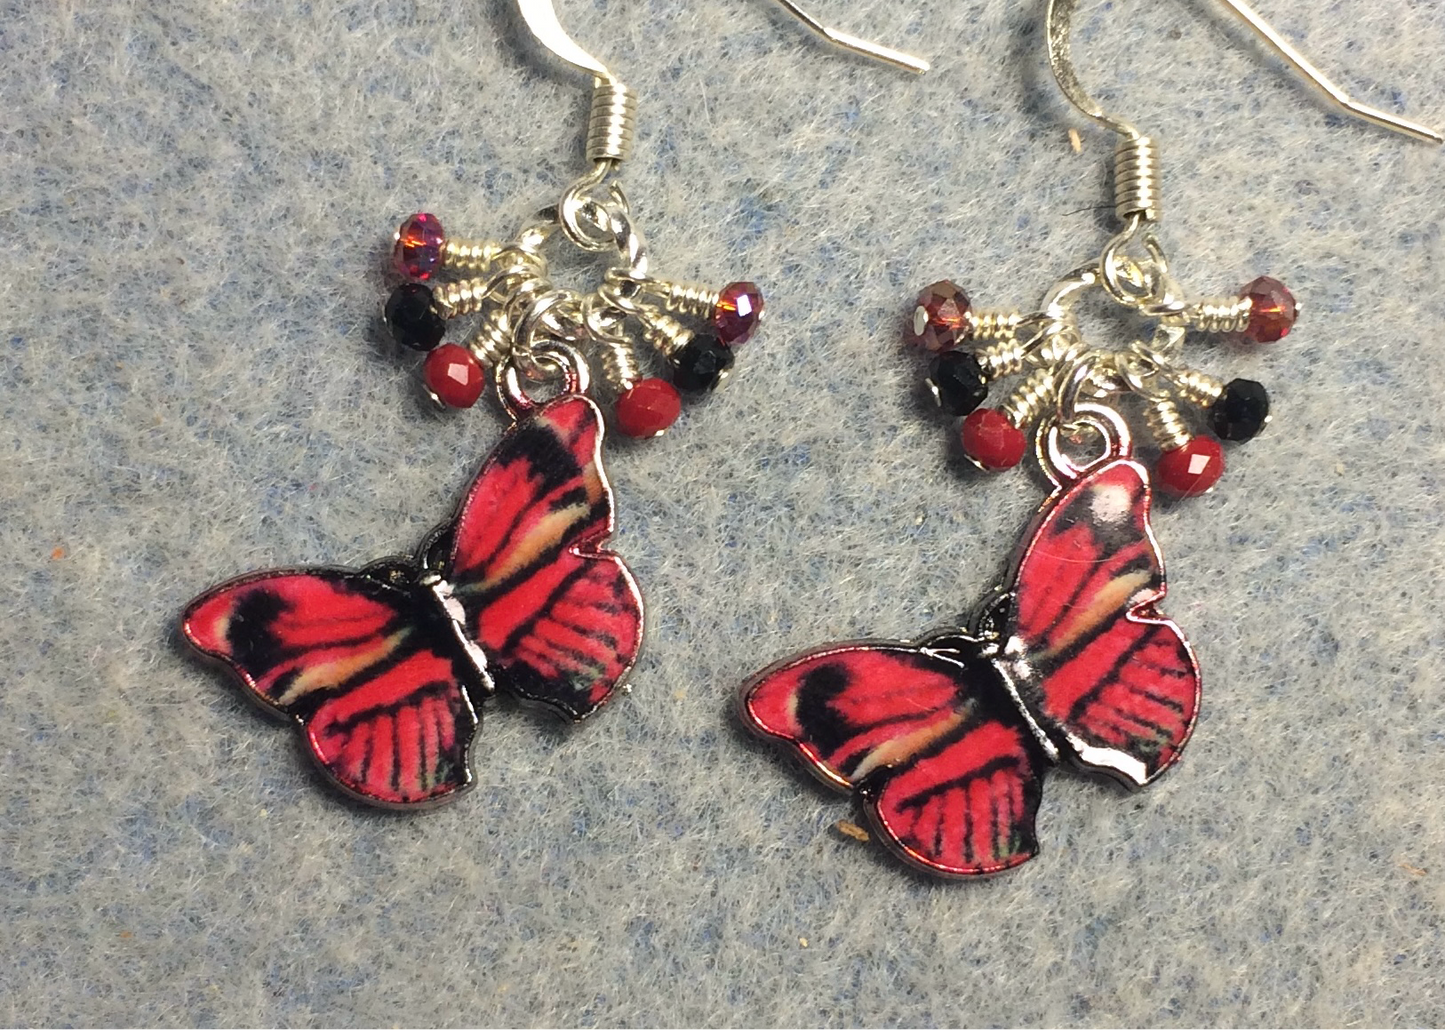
(559, 617)
(1096, 664)
(379, 700)
(946, 766)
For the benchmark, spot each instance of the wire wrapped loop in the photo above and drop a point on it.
(663, 331)
(1198, 388)
(615, 354)
(996, 326)
(470, 257)
(612, 123)
(1220, 314)
(691, 300)
(1165, 423)
(1031, 398)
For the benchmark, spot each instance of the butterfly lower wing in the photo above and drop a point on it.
(378, 699)
(1088, 651)
(559, 617)
(946, 766)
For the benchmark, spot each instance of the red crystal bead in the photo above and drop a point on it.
(941, 320)
(738, 312)
(648, 408)
(418, 250)
(1193, 469)
(1272, 310)
(991, 440)
(454, 375)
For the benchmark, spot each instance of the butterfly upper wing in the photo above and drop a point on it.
(948, 769)
(559, 617)
(1088, 652)
(373, 684)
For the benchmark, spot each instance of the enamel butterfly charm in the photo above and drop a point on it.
(947, 741)
(384, 669)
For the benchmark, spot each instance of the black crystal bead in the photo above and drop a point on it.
(701, 364)
(957, 382)
(413, 320)
(1241, 410)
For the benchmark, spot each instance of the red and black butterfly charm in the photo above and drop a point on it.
(947, 741)
(384, 668)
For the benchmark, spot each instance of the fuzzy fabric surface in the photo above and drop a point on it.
(196, 207)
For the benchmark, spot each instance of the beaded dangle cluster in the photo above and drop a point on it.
(973, 349)
(693, 329)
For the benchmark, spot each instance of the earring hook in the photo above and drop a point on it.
(541, 18)
(848, 41)
(1058, 24)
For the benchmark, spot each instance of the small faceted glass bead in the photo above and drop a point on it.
(454, 375)
(1272, 310)
(1193, 469)
(414, 322)
(940, 321)
(1241, 410)
(991, 440)
(651, 406)
(957, 382)
(738, 312)
(418, 250)
(702, 364)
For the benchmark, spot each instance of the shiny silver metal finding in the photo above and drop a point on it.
(521, 313)
(1046, 345)
(848, 41)
(611, 125)
(1059, 20)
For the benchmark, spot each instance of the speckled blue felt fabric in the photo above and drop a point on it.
(195, 207)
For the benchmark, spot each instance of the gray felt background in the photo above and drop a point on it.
(195, 207)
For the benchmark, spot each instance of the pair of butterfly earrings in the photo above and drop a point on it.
(946, 741)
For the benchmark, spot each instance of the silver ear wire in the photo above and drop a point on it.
(1058, 24)
(541, 18)
(848, 41)
(611, 124)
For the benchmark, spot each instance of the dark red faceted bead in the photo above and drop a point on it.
(991, 440)
(941, 319)
(1193, 469)
(738, 312)
(651, 406)
(1272, 310)
(454, 375)
(418, 250)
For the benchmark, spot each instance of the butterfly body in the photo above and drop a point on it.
(947, 741)
(384, 668)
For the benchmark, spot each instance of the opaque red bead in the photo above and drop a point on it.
(648, 408)
(454, 375)
(991, 440)
(418, 250)
(1272, 310)
(738, 312)
(1193, 469)
(941, 320)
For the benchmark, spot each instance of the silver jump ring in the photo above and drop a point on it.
(1106, 422)
(564, 361)
(1150, 285)
(591, 222)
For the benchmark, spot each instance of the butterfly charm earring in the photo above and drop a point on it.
(384, 669)
(947, 741)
